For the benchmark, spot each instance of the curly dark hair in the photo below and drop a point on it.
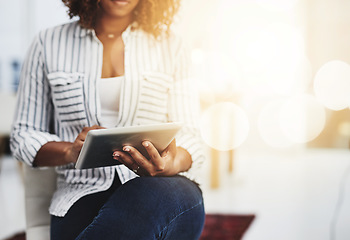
(153, 16)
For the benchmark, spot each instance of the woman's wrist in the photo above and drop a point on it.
(183, 160)
(54, 154)
(68, 153)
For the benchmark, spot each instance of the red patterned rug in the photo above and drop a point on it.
(225, 227)
(216, 227)
(19, 236)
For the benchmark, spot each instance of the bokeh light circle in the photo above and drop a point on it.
(269, 125)
(332, 85)
(224, 126)
(302, 118)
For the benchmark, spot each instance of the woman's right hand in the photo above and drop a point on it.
(61, 153)
(75, 148)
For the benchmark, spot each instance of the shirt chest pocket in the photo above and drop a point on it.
(154, 98)
(68, 98)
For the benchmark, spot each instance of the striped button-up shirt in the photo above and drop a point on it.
(58, 96)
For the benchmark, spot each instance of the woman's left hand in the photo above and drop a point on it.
(158, 164)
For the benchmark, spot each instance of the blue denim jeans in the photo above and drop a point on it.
(143, 208)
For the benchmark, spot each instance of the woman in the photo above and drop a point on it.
(119, 65)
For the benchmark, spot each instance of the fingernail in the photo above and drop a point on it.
(126, 149)
(116, 154)
(146, 144)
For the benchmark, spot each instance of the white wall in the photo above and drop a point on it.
(20, 20)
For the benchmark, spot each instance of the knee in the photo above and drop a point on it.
(188, 225)
(155, 206)
(162, 194)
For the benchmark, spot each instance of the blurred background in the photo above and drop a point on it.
(274, 81)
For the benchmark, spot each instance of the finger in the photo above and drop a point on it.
(79, 145)
(82, 135)
(117, 156)
(139, 158)
(97, 127)
(125, 159)
(86, 130)
(154, 155)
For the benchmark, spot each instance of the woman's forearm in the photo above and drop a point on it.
(53, 154)
(62, 153)
(59, 153)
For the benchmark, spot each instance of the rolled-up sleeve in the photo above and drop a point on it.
(34, 112)
(184, 107)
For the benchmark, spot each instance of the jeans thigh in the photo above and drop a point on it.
(80, 215)
(150, 208)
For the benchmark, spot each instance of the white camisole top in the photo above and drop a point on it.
(109, 91)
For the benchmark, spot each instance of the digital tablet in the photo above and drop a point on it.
(100, 144)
